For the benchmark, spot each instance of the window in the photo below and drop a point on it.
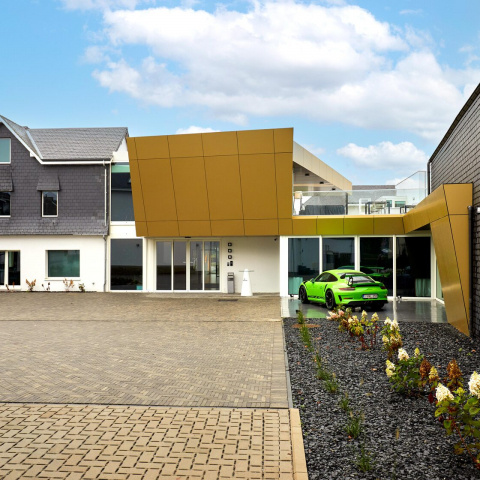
(399, 203)
(9, 268)
(4, 204)
(63, 263)
(49, 204)
(122, 202)
(338, 253)
(5, 150)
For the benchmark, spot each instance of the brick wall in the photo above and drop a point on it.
(458, 161)
(81, 199)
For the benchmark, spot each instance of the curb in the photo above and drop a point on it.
(298, 452)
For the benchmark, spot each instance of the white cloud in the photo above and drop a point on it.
(195, 129)
(102, 4)
(402, 157)
(331, 64)
(95, 54)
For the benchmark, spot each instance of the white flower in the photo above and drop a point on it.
(390, 368)
(402, 354)
(443, 393)
(394, 325)
(385, 339)
(474, 384)
(417, 352)
(388, 321)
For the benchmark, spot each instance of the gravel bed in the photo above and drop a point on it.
(422, 450)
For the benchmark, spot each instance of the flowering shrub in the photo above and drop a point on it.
(460, 413)
(405, 376)
(363, 328)
(391, 338)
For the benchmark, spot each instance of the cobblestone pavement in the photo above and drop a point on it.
(177, 372)
(176, 363)
(124, 442)
(137, 306)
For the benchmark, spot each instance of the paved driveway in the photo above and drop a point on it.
(136, 350)
(145, 386)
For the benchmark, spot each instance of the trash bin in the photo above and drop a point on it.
(231, 282)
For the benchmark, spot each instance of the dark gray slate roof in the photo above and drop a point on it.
(69, 143)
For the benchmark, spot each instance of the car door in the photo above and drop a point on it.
(318, 290)
(327, 281)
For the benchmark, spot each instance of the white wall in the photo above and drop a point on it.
(33, 259)
(261, 254)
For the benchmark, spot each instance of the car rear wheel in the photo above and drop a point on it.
(330, 300)
(302, 295)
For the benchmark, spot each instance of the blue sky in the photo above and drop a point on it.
(369, 86)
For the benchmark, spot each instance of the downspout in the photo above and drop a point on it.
(105, 263)
(104, 236)
(428, 177)
(471, 219)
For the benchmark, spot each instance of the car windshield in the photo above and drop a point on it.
(356, 278)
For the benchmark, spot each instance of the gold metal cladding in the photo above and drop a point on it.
(243, 179)
(446, 210)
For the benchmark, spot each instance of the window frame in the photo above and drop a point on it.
(70, 277)
(10, 197)
(9, 151)
(43, 203)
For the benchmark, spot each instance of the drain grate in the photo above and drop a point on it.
(228, 300)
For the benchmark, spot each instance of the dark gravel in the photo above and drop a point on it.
(422, 450)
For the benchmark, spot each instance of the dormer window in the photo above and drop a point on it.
(49, 204)
(5, 151)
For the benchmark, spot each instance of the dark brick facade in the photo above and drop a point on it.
(457, 160)
(81, 199)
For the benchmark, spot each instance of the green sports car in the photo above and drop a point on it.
(344, 287)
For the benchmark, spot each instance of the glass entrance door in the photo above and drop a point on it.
(179, 265)
(202, 258)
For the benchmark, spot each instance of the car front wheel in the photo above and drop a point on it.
(302, 294)
(330, 299)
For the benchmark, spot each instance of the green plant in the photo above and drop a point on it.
(344, 402)
(460, 413)
(31, 285)
(81, 287)
(354, 426)
(306, 337)
(405, 376)
(331, 384)
(301, 318)
(364, 461)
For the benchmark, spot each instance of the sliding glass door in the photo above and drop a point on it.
(202, 258)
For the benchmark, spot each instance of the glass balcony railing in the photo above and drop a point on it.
(357, 202)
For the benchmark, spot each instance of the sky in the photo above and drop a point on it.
(369, 86)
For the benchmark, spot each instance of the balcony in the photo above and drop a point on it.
(388, 201)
